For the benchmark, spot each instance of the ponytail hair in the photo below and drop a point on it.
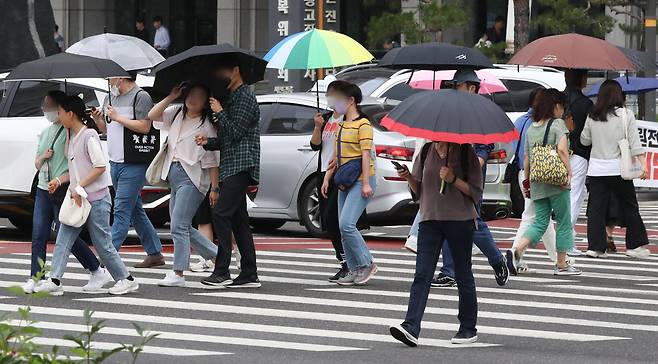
(75, 105)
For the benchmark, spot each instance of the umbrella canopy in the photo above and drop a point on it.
(66, 65)
(451, 116)
(316, 49)
(435, 57)
(630, 85)
(129, 52)
(430, 80)
(573, 51)
(196, 65)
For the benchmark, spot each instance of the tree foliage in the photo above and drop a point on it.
(563, 16)
(431, 21)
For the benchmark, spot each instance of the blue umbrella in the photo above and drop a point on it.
(630, 85)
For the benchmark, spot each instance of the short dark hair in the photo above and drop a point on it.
(336, 84)
(610, 97)
(56, 28)
(544, 105)
(575, 78)
(157, 18)
(533, 94)
(133, 75)
(139, 20)
(57, 96)
(349, 89)
(500, 18)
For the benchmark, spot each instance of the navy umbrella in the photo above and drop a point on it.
(197, 63)
(451, 116)
(629, 85)
(66, 65)
(435, 57)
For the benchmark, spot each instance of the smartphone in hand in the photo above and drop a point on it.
(398, 166)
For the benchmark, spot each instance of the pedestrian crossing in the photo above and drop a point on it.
(298, 311)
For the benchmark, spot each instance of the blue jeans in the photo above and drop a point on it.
(183, 205)
(414, 226)
(431, 237)
(98, 225)
(128, 181)
(484, 241)
(46, 211)
(350, 207)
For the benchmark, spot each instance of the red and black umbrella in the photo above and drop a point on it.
(451, 116)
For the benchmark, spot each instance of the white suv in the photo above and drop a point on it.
(520, 81)
(21, 121)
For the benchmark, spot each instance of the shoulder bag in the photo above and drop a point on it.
(631, 168)
(346, 174)
(547, 167)
(514, 166)
(70, 213)
(154, 171)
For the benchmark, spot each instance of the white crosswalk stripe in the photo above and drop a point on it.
(298, 310)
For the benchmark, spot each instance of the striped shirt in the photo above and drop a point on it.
(355, 137)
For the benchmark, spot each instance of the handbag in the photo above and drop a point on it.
(70, 213)
(547, 167)
(513, 167)
(154, 171)
(346, 174)
(631, 168)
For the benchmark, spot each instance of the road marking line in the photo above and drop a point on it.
(100, 345)
(371, 320)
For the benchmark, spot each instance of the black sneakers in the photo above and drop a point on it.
(217, 280)
(502, 273)
(401, 334)
(245, 282)
(340, 274)
(443, 280)
(464, 337)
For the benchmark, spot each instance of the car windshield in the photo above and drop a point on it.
(368, 79)
(376, 112)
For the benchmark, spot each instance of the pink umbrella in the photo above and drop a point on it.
(489, 83)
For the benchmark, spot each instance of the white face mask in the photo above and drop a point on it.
(331, 101)
(114, 91)
(51, 116)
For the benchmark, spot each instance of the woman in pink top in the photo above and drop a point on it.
(191, 172)
(89, 180)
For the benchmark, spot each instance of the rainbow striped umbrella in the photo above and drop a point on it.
(316, 49)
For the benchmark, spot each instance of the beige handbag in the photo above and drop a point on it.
(630, 166)
(70, 213)
(154, 171)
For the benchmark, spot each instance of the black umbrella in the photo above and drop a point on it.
(66, 65)
(435, 57)
(451, 116)
(196, 64)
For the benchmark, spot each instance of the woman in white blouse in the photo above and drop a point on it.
(608, 123)
(190, 170)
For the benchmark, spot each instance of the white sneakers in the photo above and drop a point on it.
(171, 279)
(202, 266)
(124, 286)
(28, 287)
(596, 254)
(47, 285)
(639, 252)
(97, 280)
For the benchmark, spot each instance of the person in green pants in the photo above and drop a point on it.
(549, 199)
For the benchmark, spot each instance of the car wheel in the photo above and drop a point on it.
(309, 209)
(266, 225)
(516, 196)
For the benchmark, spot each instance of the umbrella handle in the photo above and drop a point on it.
(442, 189)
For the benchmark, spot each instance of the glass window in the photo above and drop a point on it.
(87, 94)
(376, 113)
(516, 99)
(265, 111)
(29, 96)
(400, 91)
(292, 119)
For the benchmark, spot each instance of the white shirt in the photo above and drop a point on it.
(329, 141)
(604, 167)
(181, 145)
(161, 38)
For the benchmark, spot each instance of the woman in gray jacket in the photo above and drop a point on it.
(603, 130)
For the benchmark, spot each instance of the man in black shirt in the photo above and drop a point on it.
(141, 32)
(578, 107)
(496, 34)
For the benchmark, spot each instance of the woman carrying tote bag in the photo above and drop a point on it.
(612, 132)
(548, 186)
(89, 180)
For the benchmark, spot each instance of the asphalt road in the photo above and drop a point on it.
(607, 315)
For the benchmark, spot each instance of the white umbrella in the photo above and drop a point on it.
(129, 52)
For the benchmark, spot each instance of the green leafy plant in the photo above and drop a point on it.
(17, 337)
